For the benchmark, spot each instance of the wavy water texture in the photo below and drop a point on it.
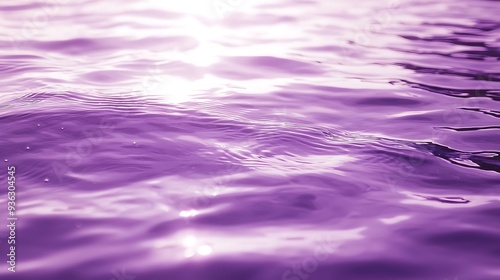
(252, 139)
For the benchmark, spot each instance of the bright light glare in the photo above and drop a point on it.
(192, 7)
(189, 241)
(189, 213)
(204, 250)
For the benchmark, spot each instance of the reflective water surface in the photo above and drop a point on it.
(252, 139)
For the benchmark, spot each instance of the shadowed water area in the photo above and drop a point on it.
(281, 139)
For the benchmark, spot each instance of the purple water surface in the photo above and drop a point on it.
(251, 139)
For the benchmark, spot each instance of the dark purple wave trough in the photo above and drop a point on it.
(250, 140)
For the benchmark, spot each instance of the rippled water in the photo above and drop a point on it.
(265, 140)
